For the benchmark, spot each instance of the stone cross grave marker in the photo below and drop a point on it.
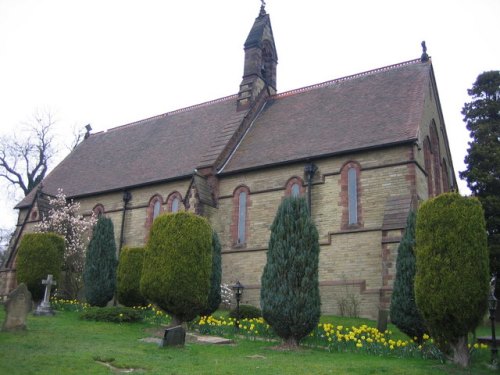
(17, 307)
(44, 308)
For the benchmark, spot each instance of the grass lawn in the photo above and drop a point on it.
(66, 345)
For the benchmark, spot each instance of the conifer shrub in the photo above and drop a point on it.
(289, 298)
(404, 311)
(39, 254)
(246, 312)
(214, 294)
(451, 282)
(178, 264)
(99, 275)
(128, 277)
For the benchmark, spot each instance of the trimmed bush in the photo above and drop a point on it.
(246, 312)
(128, 277)
(99, 275)
(112, 314)
(451, 282)
(404, 311)
(289, 296)
(39, 254)
(178, 264)
(214, 295)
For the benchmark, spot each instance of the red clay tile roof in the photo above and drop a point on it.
(156, 149)
(371, 109)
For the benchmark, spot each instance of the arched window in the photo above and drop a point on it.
(428, 166)
(175, 205)
(350, 195)
(239, 225)
(154, 209)
(242, 216)
(294, 187)
(174, 202)
(98, 210)
(352, 189)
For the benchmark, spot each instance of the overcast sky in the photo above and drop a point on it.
(111, 62)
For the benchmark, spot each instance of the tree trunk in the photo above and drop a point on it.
(461, 352)
(176, 321)
(290, 343)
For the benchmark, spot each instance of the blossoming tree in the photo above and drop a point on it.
(64, 219)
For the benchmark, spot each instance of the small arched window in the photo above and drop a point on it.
(350, 196)
(174, 202)
(294, 187)
(239, 225)
(352, 187)
(156, 209)
(175, 205)
(98, 210)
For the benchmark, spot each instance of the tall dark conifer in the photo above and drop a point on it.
(482, 116)
(404, 311)
(290, 297)
(99, 275)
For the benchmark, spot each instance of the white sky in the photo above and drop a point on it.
(111, 62)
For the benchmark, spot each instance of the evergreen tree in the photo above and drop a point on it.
(39, 255)
(214, 294)
(290, 297)
(404, 311)
(452, 278)
(177, 265)
(482, 116)
(99, 275)
(128, 277)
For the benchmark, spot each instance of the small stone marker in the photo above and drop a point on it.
(382, 320)
(17, 307)
(44, 308)
(174, 336)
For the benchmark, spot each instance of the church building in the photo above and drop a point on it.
(363, 149)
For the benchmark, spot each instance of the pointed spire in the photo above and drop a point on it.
(425, 56)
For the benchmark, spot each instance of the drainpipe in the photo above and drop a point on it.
(309, 170)
(127, 197)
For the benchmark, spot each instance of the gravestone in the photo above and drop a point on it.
(44, 308)
(382, 320)
(174, 336)
(17, 307)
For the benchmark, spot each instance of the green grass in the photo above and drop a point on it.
(64, 344)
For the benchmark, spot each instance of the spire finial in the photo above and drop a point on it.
(425, 56)
(262, 8)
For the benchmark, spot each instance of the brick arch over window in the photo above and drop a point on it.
(174, 202)
(436, 157)
(240, 218)
(350, 195)
(154, 209)
(428, 166)
(295, 187)
(98, 210)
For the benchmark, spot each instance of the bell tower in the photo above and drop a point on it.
(261, 59)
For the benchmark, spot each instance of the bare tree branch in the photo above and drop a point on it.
(24, 158)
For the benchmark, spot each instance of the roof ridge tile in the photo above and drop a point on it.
(346, 78)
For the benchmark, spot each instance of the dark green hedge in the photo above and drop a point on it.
(246, 312)
(214, 295)
(39, 254)
(111, 314)
(128, 276)
(177, 264)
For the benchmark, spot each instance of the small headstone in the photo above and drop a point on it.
(44, 308)
(174, 336)
(17, 307)
(382, 320)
